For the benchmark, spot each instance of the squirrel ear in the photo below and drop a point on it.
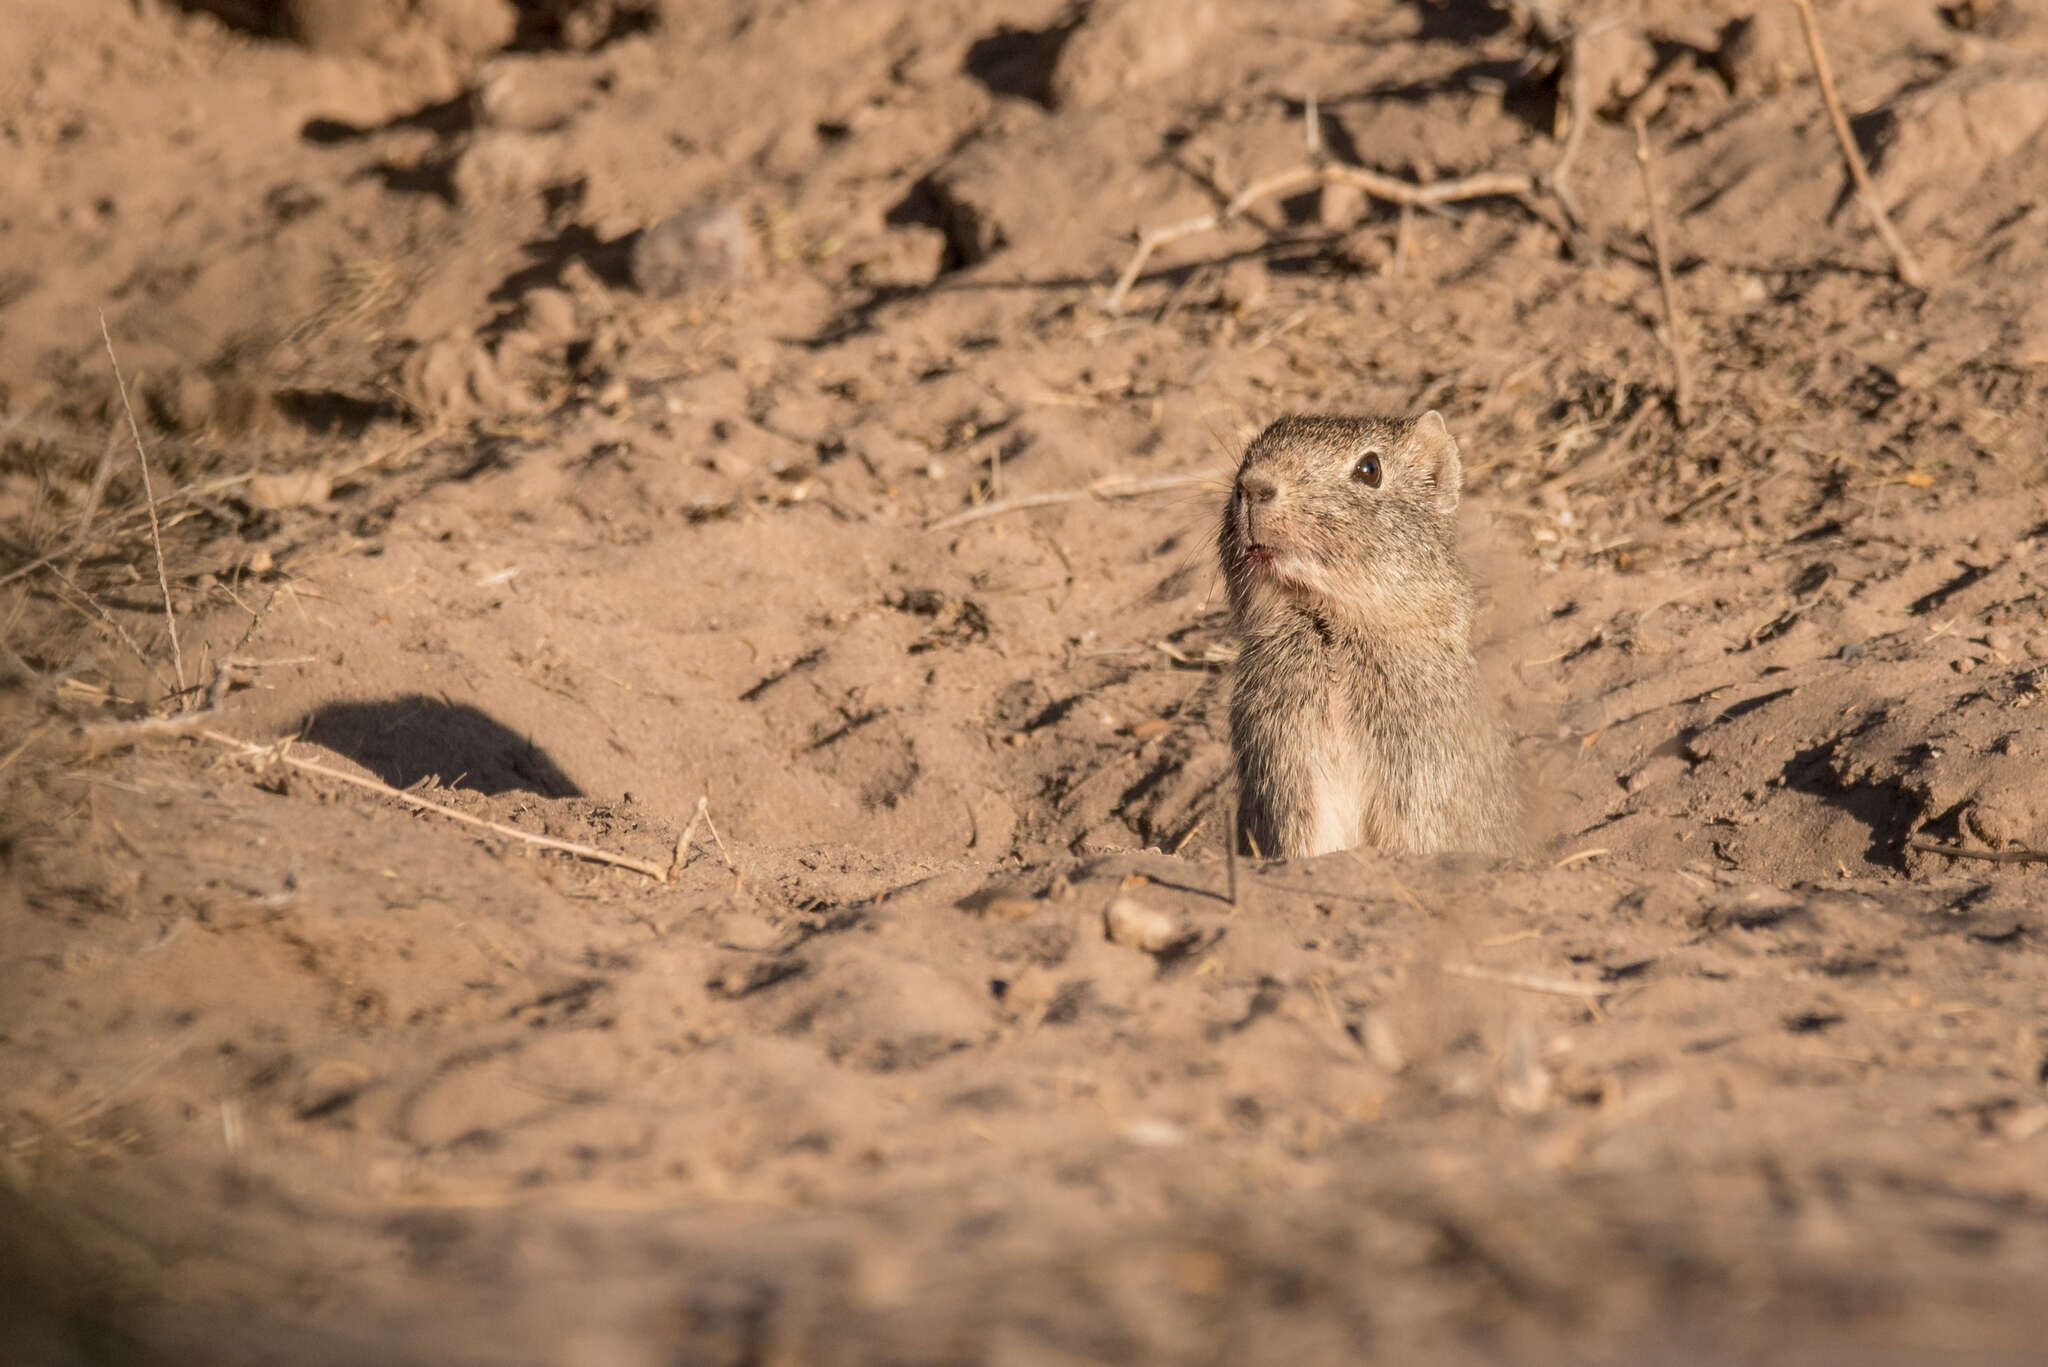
(1432, 449)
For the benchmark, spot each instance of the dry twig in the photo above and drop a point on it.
(1903, 260)
(156, 534)
(703, 814)
(97, 490)
(1528, 982)
(1681, 377)
(216, 694)
(1319, 171)
(1989, 856)
(1392, 189)
(267, 754)
(1572, 87)
(1680, 374)
(1101, 488)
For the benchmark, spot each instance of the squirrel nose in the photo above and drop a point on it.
(1257, 488)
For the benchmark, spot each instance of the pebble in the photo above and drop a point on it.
(1763, 52)
(501, 167)
(1134, 925)
(1126, 44)
(704, 245)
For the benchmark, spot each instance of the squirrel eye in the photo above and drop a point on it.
(1367, 471)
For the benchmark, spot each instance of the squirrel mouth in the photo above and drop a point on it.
(1264, 558)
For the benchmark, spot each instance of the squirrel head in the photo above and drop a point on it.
(1352, 519)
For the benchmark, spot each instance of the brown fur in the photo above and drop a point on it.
(1357, 714)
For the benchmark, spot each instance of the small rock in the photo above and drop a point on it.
(1964, 665)
(550, 314)
(1154, 1134)
(501, 167)
(296, 489)
(704, 245)
(1126, 44)
(471, 26)
(2024, 1123)
(1134, 925)
(1616, 61)
(2000, 640)
(1764, 52)
(1339, 206)
(1655, 770)
(1367, 250)
(2037, 647)
(454, 378)
(531, 94)
(1244, 286)
(1383, 1044)
(340, 25)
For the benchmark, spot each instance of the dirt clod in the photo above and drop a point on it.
(703, 246)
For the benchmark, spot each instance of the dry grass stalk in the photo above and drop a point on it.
(1681, 375)
(1318, 170)
(95, 492)
(1392, 189)
(216, 694)
(1988, 856)
(1903, 260)
(1573, 93)
(269, 754)
(156, 534)
(702, 814)
(1529, 982)
(1102, 488)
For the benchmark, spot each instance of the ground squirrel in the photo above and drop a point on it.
(1357, 713)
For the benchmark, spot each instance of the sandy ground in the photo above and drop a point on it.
(498, 484)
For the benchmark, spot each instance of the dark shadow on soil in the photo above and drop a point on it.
(404, 740)
(1887, 809)
(543, 25)
(334, 413)
(443, 118)
(609, 260)
(1019, 62)
(1458, 21)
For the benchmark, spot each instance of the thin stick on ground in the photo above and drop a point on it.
(156, 534)
(270, 754)
(675, 865)
(113, 623)
(719, 840)
(1318, 170)
(1102, 488)
(216, 695)
(1988, 856)
(1681, 377)
(1903, 260)
(1392, 189)
(702, 814)
(1529, 982)
(1572, 87)
(97, 490)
